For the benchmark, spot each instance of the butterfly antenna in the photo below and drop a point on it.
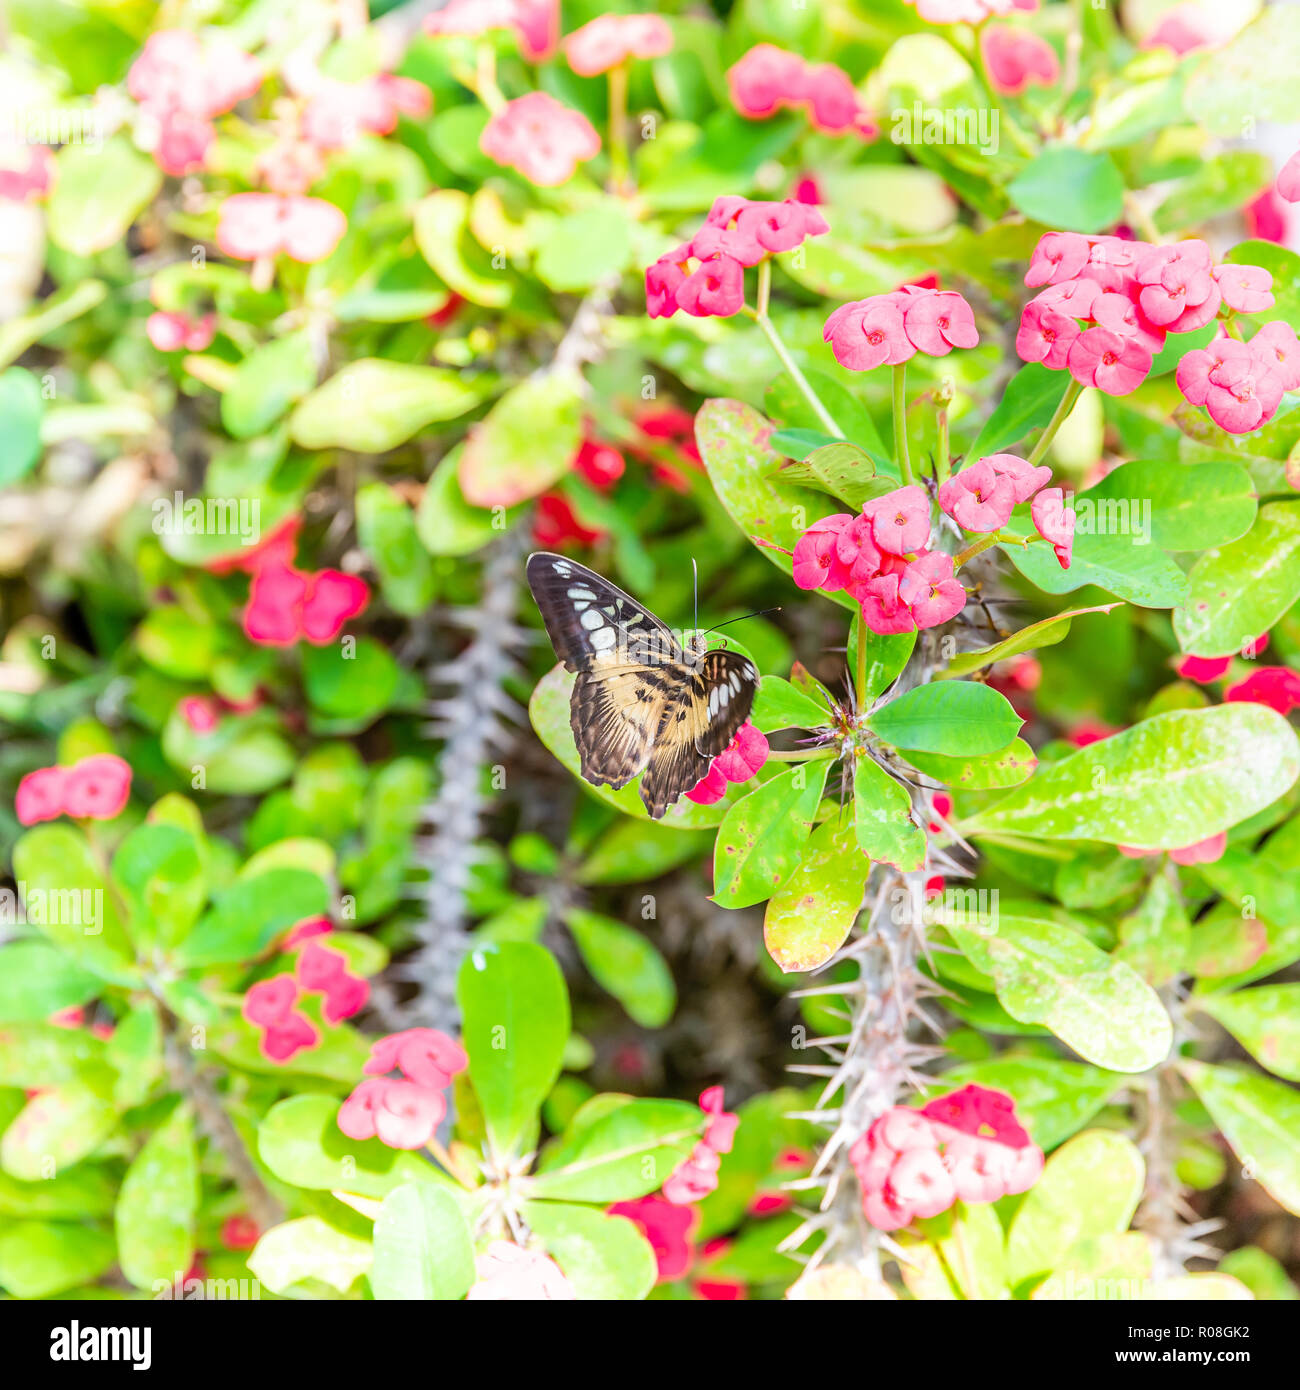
(757, 614)
(695, 571)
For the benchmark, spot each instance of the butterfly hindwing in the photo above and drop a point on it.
(640, 703)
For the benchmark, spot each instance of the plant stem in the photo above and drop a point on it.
(783, 353)
(484, 84)
(942, 464)
(900, 423)
(984, 542)
(861, 686)
(618, 153)
(436, 1148)
(1072, 393)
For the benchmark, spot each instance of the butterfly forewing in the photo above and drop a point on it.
(640, 703)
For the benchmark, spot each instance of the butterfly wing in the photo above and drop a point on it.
(713, 701)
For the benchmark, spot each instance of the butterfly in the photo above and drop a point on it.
(641, 702)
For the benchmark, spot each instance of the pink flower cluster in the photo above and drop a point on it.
(259, 226)
(182, 84)
(1288, 180)
(888, 329)
(512, 1273)
(95, 788)
(536, 22)
(540, 138)
(697, 1176)
(1016, 59)
(172, 332)
(271, 1004)
(1108, 304)
(404, 1112)
(968, 11)
(337, 112)
(286, 604)
(880, 558)
(738, 762)
(966, 1146)
(706, 275)
(1207, 851)
(611, 39)
(770, 79)
(1241, 384)
(26, 172)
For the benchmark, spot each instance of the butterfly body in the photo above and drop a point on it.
(643, 701)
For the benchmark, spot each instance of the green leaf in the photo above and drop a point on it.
(732, 439)
(882, 817)
(618, 1149)
(57, 1128)
(787, 403)
(250, 914)
(372, 405)
(780, 705)
(37, 980)
(626, 964)
(1070, 188)
(762, 837)
(516, 1023)
(69, 900)
(1265, 1021)
(549, 712)
(1260, 1118)
(39, 1259)
(98, 193)
(267, 382)
(158, 1204)
(1049, 974)
(442, 234)
(37, 1053)
(423, 1249)
(1154, 939)
(1045, 633)
(969, 1238)
(1236, 592)
(309, 1253)
(387, 532)
(1028, 403)
(160, 874)
(1169, 781)
(21, 408)
(887, 655)
(1142, 574)
(955, 718)
(1008, 767)
(635, 851)
(301, 1143)
(813, 911)
(603, 1257)
(1221, 185)
(583, 247)
(447, 524)
(356, 688)
(843, 470)
(1251, 73)
(1090, 1187)
(526, 443)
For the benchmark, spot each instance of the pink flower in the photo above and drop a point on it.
(1179, 291)
(883, 610)
(1113, 364)
(715, 288)
(1265, 218)
(510, 1273)
(274, 605)
(1015, 58)
(1024, 477)
(663, 279)
(423, 1055)
(1207, 851)
(356, 1117)
(1245, 288)
(1239, 384)
(711, 788)
(330, 599)
(407, 1116)
(318, 967)
(538, 25)
(1276, 343)
(240, 1233)
(694, 1178)
(868, 333)
(900, 520)
(178, 72)
(40, 795)
(833, 103)
(179, 142)
(1288, 180)
(345, 998)
(930, 591)
(611, 39)
(257, 225)
(1203, 669)
(471, 18)
(26, 173)
(270, 1001)
(1184, 28)
(1045, 335)
(979, 498)
(1120, 314)
(1058, 257)
(1072, 297)
(200, 713)
(338, 112)
(766, 79)
(668, 1229)
(283, 1041)
(172, 332)
(540, 138)
(1278, 687)
(938, 321)
(1055, 522)
(743, 756)
(720, 1131)
(601, 465)
(97, 788)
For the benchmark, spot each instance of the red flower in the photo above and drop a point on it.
(240, 1232)
(1278, 687)
(40, 795)
(556, 524)
(668, 1229)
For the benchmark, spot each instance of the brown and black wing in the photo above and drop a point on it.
(616, 712)
(714, 701)
(588, 618)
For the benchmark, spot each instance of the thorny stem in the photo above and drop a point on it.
(216, 1123)
(984, 542)
(1072, 393)
(760, 316)
(900, 423)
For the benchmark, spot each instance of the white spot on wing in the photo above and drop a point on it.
(603, 639)
(591, 620)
